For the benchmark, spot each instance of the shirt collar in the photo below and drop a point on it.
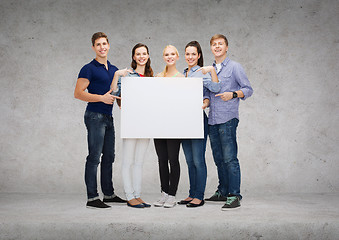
(224, 63)
(97, 64)
(193, 69)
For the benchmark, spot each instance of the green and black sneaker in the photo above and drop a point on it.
(232, 202)
(217, 197)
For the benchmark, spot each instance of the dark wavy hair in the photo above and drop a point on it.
(148, 69)
(198, 47)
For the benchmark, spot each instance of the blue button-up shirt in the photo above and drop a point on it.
(206, 78)
(232, 78)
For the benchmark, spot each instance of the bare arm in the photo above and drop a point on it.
(81, 93)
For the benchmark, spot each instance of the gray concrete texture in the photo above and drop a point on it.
(288, 133)
(261, 217)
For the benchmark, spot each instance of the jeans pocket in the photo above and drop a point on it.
(93, 115)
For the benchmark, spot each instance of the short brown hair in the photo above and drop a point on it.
(97, 36)
(216, 36)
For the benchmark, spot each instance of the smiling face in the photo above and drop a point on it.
(219, 48)
(170, 55)
(101, 47)
(191, 56)
(141, 56)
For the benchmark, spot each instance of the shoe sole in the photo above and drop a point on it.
(230, 209)
(167, 206)
(215, 200)
(96, 208)
(112, 203)
(158, 205)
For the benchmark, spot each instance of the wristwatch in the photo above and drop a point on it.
(235, 94)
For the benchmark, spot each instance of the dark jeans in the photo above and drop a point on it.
(101, 140)
(225, 149)
(168, 155)
(194, 150)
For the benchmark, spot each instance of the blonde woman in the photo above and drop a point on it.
(168, 149)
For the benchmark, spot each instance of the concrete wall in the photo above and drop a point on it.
(288, 134)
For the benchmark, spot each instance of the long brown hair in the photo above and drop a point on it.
(198, 47)
(148, 69)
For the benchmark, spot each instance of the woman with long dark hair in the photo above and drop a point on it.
(134, 149)
(194, 149)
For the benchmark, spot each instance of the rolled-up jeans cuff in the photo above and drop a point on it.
(110, 197)
(92, 199)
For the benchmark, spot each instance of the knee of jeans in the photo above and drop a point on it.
(231, 160)
(190, 163)
(218, 160)
(93, 159)
(108, 158)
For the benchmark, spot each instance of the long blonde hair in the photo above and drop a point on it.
(163, 73)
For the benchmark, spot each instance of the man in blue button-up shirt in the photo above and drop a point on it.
(223, 121)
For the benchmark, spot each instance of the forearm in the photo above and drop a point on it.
(88, 97)
(114, 84)
(81, 93)
(214, 75)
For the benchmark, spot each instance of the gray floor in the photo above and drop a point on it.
(47, 216)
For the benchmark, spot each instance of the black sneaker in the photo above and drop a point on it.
(231, 203)
(97, 204)
(217, 197)
(114, 199)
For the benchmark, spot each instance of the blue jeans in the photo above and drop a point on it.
(225, 149)
(194, 150)
(101, 140)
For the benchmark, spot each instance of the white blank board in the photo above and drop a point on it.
(161, 107)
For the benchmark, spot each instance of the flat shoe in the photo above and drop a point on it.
(184, 202)
(136, 206)
(195, 205)
(146, 205)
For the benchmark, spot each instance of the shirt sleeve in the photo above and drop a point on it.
(209, 84)
(85, 72)
(243, 81)
(206, 93)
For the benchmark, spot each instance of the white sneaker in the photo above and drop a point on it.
(170, 202)
(161, 200)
